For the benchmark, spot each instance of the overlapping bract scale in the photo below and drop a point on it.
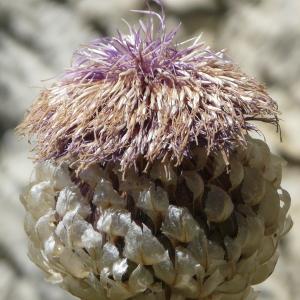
(202, 230)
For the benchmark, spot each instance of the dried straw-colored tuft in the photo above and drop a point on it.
(142, 95)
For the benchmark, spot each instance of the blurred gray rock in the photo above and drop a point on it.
(188, 5)
(106, 17)
(265, 40)
(23, 289)
(6, 279)
(37, 39)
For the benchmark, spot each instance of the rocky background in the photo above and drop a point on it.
(37, 38)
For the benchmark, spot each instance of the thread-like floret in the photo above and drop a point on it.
(142, 95)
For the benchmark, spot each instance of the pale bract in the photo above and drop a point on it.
(106, 235)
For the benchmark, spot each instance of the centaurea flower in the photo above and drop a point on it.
(147, 183)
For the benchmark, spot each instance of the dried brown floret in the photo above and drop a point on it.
(142, 95)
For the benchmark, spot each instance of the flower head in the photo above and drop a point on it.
(141, 94)
(188, 227)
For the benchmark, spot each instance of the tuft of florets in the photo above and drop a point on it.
(143, 95)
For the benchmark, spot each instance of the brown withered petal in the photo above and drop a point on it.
(142, 95)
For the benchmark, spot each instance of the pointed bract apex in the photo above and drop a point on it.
(142, 95)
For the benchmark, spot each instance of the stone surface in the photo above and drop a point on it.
(265, 40)
(187, 5)
(37, 38)
(33, 47)
(7, 279)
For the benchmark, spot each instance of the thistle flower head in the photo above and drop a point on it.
(188, 227)
(141, 94)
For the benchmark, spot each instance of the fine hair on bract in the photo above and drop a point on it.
(141, 95)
